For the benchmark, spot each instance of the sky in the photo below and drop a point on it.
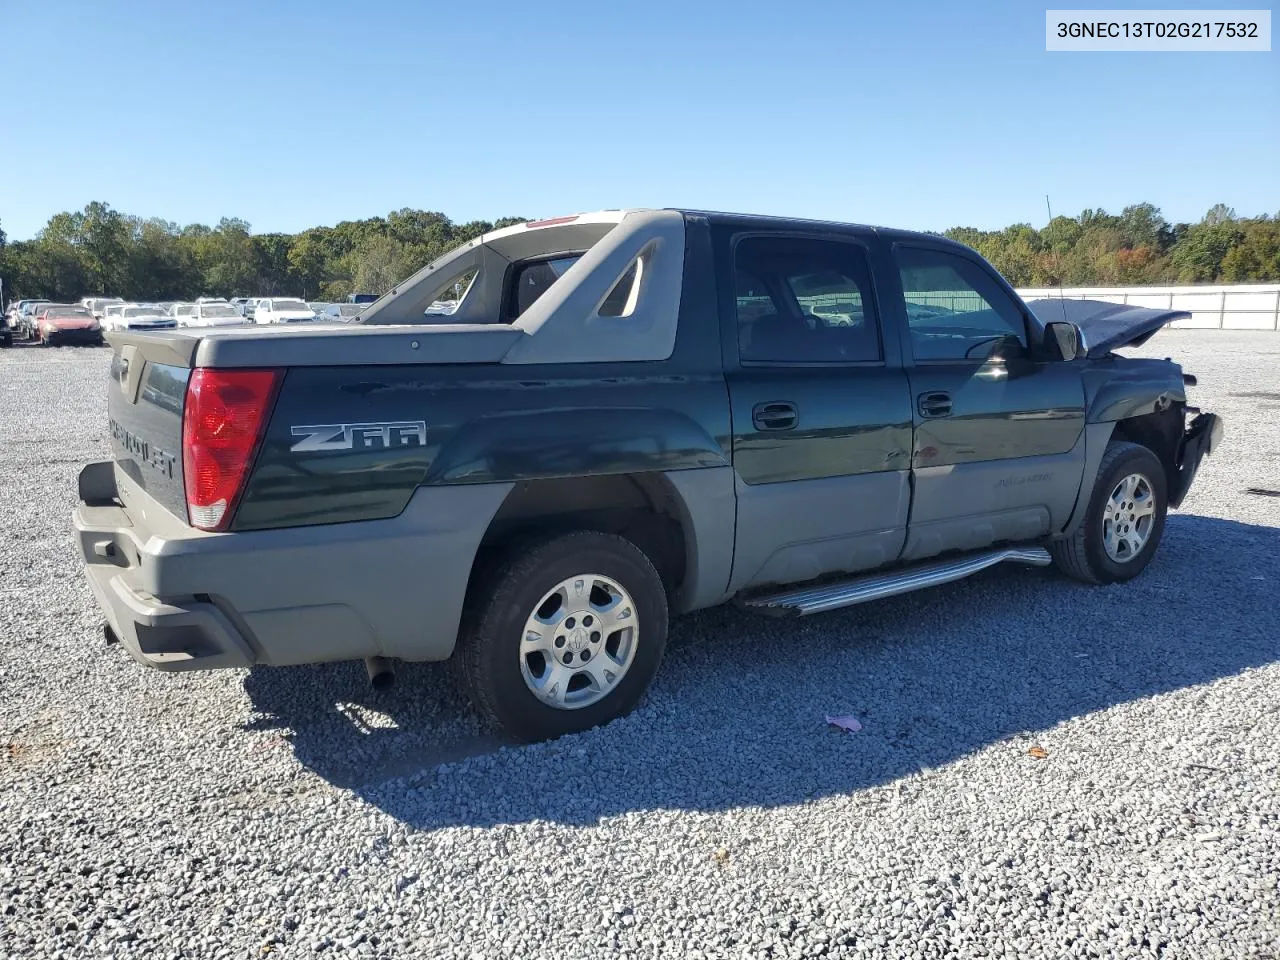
(923, 115)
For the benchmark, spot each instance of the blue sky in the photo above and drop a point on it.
(921, 115)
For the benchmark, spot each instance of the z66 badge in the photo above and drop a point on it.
(320, 437)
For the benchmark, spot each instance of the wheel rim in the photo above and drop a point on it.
(579, 642)
(1127, 518)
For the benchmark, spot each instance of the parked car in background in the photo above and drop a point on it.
(212, 300)
(317, 306)
(282, 310)
(181, 311)
(31, 326)
(65, 324)
(111, 313)
(345, 312)
(137, 316)
(96, 305)
(212, 314)
(362, 297)
(26, 315)
(31, 320)
(250, 306)
(6, 328)
(11, 322)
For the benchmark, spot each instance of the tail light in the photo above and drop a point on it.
(223, 422)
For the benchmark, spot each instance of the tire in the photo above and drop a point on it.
(526, 594)
(1088, 555)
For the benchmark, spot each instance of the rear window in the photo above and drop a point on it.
(534, 278)
(218, 310)
(277, 305)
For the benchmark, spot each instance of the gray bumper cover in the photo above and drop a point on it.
(183, 599)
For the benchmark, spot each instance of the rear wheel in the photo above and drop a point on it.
(1124, 520)
(563, 636)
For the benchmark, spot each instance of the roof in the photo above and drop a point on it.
(768, 221)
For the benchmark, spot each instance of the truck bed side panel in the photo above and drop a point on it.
(353, 443)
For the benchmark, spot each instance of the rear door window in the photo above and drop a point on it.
(800, 300)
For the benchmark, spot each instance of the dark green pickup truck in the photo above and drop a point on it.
(533, 451)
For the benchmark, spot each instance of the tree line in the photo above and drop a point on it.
(1135, 248)
(99, 250)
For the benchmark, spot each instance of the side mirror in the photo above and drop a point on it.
(1067, 338)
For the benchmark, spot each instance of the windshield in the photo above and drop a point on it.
(67, 313)
(294, 306)
(143, 312)
(218, 310)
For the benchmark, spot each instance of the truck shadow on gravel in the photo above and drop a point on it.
(736, 715)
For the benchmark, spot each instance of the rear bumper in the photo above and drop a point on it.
(1202, 437)
(184, 599)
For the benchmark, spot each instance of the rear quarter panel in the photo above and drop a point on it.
(484, 424)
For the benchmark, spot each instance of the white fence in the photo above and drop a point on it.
(1246, 306)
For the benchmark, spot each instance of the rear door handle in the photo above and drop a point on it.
(775, 415)
(935, 404)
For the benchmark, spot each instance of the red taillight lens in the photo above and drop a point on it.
(222, 423)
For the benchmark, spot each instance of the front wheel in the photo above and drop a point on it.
(564, 636)
(1124, 520)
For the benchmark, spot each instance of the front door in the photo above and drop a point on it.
(999, 435)
(820, 409)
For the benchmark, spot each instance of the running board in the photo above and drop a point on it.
(845, 593)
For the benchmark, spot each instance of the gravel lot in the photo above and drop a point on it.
(294, 811)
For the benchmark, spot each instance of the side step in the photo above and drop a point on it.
(845, 593)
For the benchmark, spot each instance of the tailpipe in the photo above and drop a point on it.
(382, 673)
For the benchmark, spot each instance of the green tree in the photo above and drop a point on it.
(1255, 257)
(274, 273)
(228, 259)
(378, 264)
(308, 258)
(1199, 253)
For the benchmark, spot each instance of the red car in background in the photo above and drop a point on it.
(60, 323)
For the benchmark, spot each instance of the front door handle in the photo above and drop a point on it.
(775, 415)
(936, 403)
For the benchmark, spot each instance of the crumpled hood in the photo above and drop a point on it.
(1106, 326)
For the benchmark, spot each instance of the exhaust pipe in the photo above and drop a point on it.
(382, 673)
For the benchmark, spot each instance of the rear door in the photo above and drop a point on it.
(821, 413)
(999, 434)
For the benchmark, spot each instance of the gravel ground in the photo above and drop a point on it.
(292, 812)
